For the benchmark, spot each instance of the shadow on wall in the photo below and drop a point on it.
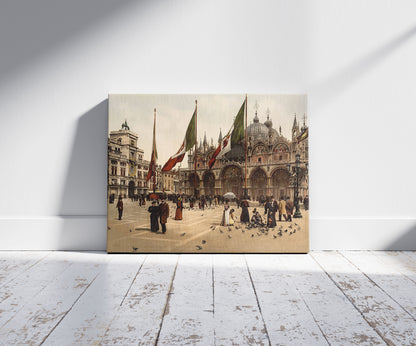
(407, 242)
(29, 24)
(83, 203)
(325, 91)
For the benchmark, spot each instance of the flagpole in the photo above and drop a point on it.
(153, 153)
(245, 131)
(196, 141)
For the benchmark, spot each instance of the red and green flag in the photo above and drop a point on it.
(238, 131)
(235, 135)
(188, 143)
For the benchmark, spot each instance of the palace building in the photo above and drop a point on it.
(270, 164)
(127, 170)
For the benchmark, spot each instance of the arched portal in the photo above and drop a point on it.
(191, 182)
(258, 183)
(280, 184)
(131, 189)
(209, 184)
(232, 180)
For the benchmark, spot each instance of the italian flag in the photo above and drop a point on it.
(235, 135)
(188, 143)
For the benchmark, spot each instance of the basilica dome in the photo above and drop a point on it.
(257, 130)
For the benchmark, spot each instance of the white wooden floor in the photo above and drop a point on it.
(336, 298)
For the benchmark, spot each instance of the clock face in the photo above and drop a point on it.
(132, 170)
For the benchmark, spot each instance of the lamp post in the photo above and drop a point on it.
(296, 186)
(297, 208)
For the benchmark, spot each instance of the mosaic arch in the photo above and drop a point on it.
(260, 149)
(209, 184)
(191, 182)
(280, 183)
(232, 180)
(281, 148)
(258, 183)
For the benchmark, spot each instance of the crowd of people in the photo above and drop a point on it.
(159, 210)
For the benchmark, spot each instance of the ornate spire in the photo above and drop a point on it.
(268, 122)
(220, 137)
(256, 107)
(205, 139)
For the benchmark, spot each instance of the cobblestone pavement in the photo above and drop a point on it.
(200, 232)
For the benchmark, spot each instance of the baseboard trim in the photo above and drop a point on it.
(89, 232)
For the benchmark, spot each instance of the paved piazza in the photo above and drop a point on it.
(200, 232)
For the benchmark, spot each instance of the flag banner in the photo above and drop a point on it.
(223, 148)
(238, 132)
(303, 135)
(187, 144)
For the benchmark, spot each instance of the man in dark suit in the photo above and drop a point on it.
(164, 214)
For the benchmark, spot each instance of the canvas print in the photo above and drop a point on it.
(208, 174)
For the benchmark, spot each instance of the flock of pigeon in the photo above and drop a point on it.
(254, 230)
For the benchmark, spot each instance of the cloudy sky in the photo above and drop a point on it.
(173, 113)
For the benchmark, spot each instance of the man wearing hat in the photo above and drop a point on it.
(164, 214)
(154, 211)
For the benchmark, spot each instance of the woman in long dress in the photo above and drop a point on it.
(179, 207)
(154, 211)
(232, 217)
(226, 216)
(245, 216)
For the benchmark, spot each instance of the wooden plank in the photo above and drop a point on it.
(15, 294)
(287, 317)
(402, 261)
(32, 324)
(387, 277)
(337, 318)
(390, 321)
(189, 316)
(89, 318)
(14, 263)
(138, 319)
(238, 320)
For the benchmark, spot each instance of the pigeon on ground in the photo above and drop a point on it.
(183, 234)
(221, 231)
(242, 231)
(290, 226)
(134, 248)
(280, 233)
(199, 247)
(252, 235)
(130, 231)
(229, 229)
(294, 231)
(204, 241)
(285, 230)
(296, 224)
(108, 228)
(229, 237)
(274, 236)
(290, 233)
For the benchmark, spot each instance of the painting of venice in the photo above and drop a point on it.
(208, 174)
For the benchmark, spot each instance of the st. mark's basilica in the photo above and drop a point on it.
(271, 164)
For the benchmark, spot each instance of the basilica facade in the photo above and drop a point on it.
(271, 164)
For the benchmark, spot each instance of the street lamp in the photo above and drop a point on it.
(297, 208)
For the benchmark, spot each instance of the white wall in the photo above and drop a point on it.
(355, 59)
